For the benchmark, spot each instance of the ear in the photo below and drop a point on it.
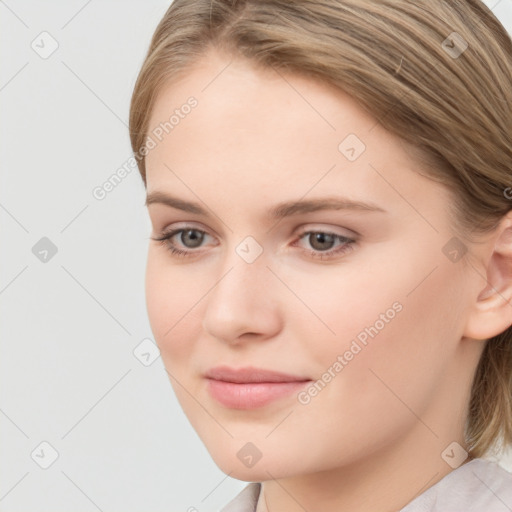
(492, 311)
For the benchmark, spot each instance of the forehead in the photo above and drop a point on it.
(228, 86)
(280, 134)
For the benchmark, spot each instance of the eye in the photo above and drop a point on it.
(190, 237)
(321, 242)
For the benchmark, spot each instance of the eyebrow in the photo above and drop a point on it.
(278, 211)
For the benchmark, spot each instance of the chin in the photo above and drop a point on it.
(248, 475)
(236, 462)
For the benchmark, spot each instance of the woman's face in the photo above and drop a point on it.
(368, 303)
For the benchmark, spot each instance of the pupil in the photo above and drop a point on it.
(196, 240)
(322, 238)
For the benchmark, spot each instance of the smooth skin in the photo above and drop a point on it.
(372, 438)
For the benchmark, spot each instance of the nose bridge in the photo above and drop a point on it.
(244, 270)
(241, 299)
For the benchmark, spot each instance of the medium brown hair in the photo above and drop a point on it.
(401, 61)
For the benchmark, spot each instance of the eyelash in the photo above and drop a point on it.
(164, 240)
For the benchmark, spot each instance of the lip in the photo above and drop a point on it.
(250, 374)
(249, 387)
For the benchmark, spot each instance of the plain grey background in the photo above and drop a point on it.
(88, 419)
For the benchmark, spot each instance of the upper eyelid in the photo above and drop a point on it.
(298, 234)
(305, 226)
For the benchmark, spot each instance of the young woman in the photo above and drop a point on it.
(330, 272)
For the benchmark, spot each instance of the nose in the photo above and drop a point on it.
(244, 301)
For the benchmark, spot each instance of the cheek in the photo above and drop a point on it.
(389, 372)
(171, 301)
(396, 331)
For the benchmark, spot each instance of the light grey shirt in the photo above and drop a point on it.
(480, 485)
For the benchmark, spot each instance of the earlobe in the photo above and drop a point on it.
(492, 310)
